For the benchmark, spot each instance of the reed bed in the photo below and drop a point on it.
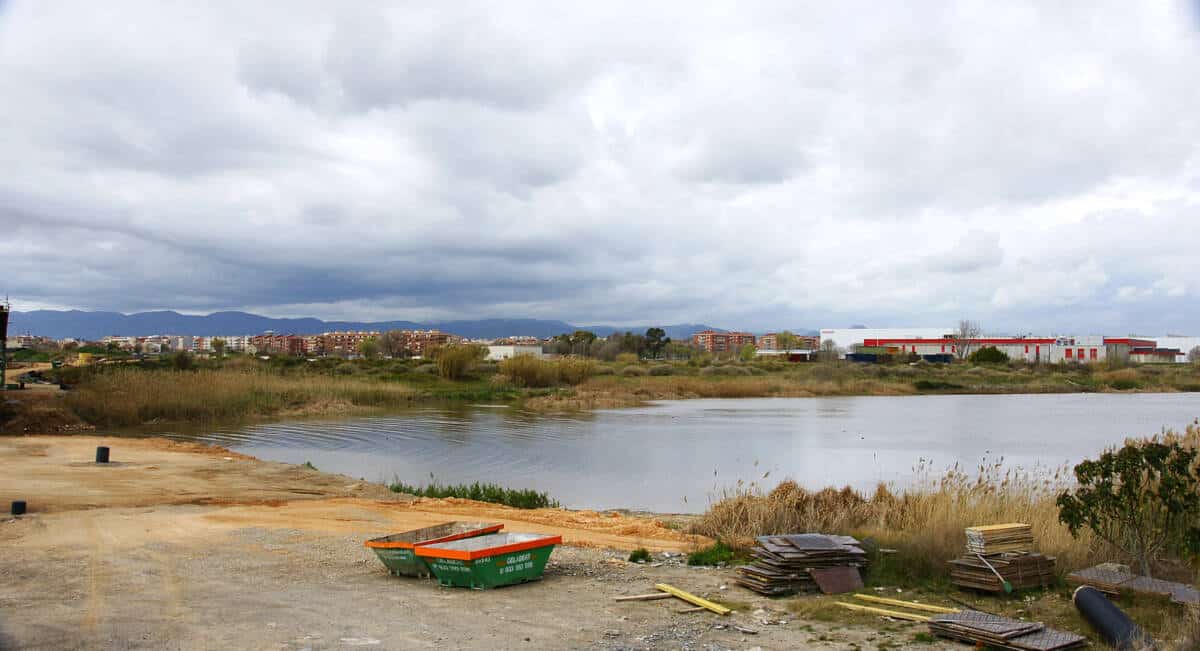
(130, 397)
(925, 522)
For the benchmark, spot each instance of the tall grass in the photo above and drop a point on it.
(125, 397)
(529, 371)
(521, 498)
(925, 522)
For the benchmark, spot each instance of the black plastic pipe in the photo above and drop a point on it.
(102, 454)
(18, 507)
(1113, 625)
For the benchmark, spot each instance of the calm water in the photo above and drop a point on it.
(674, 456)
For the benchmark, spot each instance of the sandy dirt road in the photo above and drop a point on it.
(178, 546)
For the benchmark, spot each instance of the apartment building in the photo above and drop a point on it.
(719, 342)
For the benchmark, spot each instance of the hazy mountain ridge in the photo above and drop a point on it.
(94, 325)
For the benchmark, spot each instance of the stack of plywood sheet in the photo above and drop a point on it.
(1008, 549)
(783, 563)
(1021, 570)
(994, 631)
(999, 538)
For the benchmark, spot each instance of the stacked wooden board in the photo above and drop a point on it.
(1021, 570)
(999, 538)
(783, 563)
(994, 631)
(1007, 549)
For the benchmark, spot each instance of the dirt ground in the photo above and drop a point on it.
(178, 546)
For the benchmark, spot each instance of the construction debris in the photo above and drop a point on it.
(693, 599)
(994, 631)
(1000, 558)
(784, 564)
(1114, 581)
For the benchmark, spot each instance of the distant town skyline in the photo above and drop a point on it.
(1034, 167)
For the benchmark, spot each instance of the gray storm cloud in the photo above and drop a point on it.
(1032, 166)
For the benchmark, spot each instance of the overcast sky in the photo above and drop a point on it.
(1033, 166)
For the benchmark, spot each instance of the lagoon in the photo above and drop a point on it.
(676, 456)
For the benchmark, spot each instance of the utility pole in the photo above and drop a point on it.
(4, 310)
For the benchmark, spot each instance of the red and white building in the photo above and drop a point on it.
(1051, 350)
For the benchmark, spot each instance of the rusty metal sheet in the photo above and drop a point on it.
(837, 580)
(987, 623)
(1047, 639)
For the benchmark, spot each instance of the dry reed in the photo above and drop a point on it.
(123, 397)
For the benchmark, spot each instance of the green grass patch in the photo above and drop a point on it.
(521, 498)
(936, 385)
(639, 555)
(719, 552)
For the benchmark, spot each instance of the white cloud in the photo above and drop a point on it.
(1032, 166)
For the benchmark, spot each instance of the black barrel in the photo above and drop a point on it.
(1113, 625)
(18, 507)
(102, 454)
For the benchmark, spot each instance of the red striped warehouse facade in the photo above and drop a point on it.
(1036, 349)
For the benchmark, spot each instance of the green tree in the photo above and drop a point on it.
(746, 354)
(786, 340)
(1194, 355)
(218, 346)
(369, 348)
(656, 340)
(829, 351)
(393, 344)
(1143, 499)
(679, 350)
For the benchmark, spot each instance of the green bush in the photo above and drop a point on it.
(718, 553)
(988, 355)
(604, 369)
(634, 371)
(727, 369)
(639, 555)
(936, 385)
(661, 370)
(575, 371)
(493, 493)
(1144, 499)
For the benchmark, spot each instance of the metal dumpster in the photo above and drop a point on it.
(490, 561)
(396, 550)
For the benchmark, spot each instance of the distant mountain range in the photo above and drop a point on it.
(95, 325)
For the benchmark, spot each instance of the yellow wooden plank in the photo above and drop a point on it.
(880, 611)
(905, 604)
(693, 599)
(993, 527)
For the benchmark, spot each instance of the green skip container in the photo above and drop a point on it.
(396, 550)
(490, 561)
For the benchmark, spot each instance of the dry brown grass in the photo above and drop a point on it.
(121, 397)
(925, 522)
